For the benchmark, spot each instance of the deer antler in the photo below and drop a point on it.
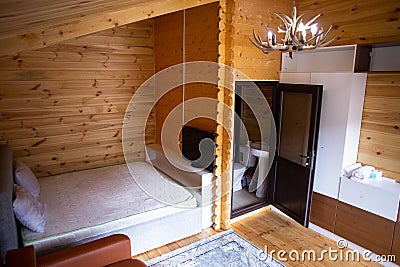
(294, 26)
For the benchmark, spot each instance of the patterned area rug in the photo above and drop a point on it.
(223, 249)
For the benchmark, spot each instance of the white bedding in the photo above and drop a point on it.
(93, 202)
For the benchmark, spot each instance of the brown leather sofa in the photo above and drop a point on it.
(114, 250)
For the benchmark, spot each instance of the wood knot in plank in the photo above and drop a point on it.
(38, 143)
(35, 87)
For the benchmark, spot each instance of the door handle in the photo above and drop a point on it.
(306, 157)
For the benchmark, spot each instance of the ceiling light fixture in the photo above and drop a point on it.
(296, 34)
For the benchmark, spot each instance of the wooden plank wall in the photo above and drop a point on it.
(62, 106)
(356, 21)
(202, 35)
(380, 128)
(34, 24)
(201, 44)
(168, 40)
(257, 15)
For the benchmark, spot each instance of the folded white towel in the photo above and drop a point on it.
(363, 172)
(348, 171)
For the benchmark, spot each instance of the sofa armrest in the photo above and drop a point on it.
(21, 257)
(100, 252)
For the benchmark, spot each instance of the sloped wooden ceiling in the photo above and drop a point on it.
(33, 24)
(356, 21)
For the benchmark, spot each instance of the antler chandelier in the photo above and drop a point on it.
(296, 34)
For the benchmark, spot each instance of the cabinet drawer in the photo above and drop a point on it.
(364, 228)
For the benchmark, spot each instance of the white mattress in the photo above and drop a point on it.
(89, 203)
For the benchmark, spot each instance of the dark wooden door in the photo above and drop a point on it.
(296, 110)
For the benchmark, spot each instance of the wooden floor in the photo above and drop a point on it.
(277, 233)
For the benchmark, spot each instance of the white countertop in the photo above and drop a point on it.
(383, 183)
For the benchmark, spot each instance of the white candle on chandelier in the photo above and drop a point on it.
(302, 30)
(302, 36)
(269, 37)
(314, 29)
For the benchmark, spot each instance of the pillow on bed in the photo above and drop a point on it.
(25, 178)
(28, 210)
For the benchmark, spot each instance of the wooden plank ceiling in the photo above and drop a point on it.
(33, 24)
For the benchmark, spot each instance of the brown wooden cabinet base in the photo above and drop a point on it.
(323, 211)
(356, 225)
(396, 243)
(364, 228)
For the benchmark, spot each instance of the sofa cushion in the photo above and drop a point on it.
(25, 178)
(28, 210)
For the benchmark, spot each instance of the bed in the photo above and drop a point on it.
(87, 205)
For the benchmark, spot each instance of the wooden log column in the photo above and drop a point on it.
(223, 172)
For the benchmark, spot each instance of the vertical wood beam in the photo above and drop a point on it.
(223, 173)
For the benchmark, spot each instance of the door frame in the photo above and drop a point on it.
(238, 110)
(272, 173)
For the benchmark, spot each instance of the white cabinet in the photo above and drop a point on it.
(378, 196)
(341, 112)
